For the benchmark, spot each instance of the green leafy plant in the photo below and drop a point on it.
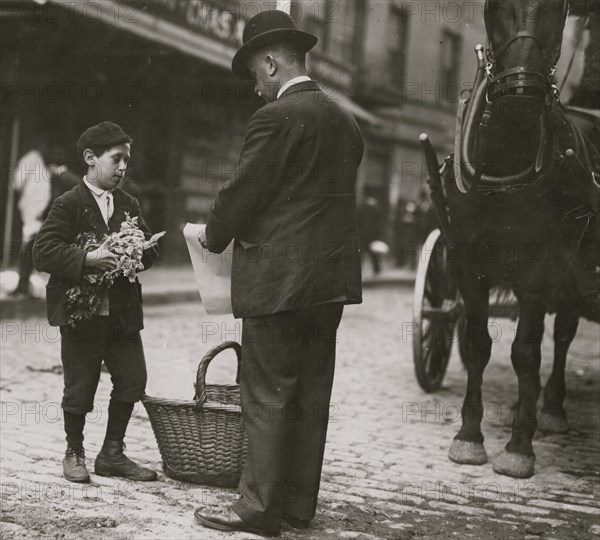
(84, 299)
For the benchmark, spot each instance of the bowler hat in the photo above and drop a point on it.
(269, 27)
(102, 134)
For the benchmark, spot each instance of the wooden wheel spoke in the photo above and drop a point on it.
(435, 348)
(436, 308)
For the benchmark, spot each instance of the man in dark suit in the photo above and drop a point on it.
(292, 213)
(97, 206)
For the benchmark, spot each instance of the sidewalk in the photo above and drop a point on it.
(164, 285)
(386, 474)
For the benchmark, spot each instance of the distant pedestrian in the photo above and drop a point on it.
(96, 206)
(370, 230)
(63, 175)
(406, 233)
(31, 182)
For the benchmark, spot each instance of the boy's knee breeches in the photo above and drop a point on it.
(84, 348)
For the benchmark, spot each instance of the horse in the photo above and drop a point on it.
(518, 206)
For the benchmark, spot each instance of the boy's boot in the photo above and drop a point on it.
(74, 464)
(111, 460)
(74, 461)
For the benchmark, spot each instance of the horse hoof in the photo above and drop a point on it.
(515, 465)
(467, 453)
(552, 423)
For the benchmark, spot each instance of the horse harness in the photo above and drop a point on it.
(561, 144)
(482, 103)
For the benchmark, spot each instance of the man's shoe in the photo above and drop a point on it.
(296, 523)
(111, 461)
(228, 520)
(74, 464)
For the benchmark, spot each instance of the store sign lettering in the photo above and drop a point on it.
(207, 16)
(219, 22)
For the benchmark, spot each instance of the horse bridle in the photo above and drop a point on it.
(475, 113)
(521, 77)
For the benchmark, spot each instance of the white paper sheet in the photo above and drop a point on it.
(170, 374)
(212, 271)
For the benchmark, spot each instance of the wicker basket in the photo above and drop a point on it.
(202, 441)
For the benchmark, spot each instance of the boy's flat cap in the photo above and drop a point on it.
(102, 134)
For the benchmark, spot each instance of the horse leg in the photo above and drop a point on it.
(518, 459)
(467, 446)
(553, 418)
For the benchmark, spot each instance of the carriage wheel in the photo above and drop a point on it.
(436, 309)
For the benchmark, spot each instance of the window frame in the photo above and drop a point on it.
(396, 58)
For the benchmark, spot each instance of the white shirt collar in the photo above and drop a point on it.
(99, 192)
(291, 82)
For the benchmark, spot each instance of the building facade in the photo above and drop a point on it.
(417, 58)
(406, 63)
(159, 68)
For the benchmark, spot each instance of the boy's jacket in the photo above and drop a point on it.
(54, 252)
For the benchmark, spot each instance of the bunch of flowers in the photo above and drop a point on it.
(128, 244)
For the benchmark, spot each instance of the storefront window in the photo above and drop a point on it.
(340, 43)
(396, 45)
(316, 27)
(450, 57)
(334, 23)
(377, 180)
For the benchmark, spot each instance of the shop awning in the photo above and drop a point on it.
(148, 25)
(352, 107)
(154, 28)
(586, 112)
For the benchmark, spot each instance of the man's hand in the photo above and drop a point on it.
(202, 237)
(101, 259)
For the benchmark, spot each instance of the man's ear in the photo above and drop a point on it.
(271, 64)
(89, 157)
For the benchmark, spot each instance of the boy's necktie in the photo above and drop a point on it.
(109, 207)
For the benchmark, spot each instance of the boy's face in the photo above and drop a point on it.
(107, 170)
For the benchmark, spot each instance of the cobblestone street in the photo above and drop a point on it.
(386, 472)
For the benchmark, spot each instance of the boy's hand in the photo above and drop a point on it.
(101, 258)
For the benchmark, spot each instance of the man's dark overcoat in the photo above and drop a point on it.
(291, 207)
(291, 210)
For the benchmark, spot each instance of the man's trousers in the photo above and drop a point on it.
(288, 362)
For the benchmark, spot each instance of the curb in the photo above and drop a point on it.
(22, 309)
(36, 307)
(385, 281)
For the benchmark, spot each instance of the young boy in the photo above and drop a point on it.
(112, 335)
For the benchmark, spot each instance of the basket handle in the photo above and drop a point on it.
(200, 395)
